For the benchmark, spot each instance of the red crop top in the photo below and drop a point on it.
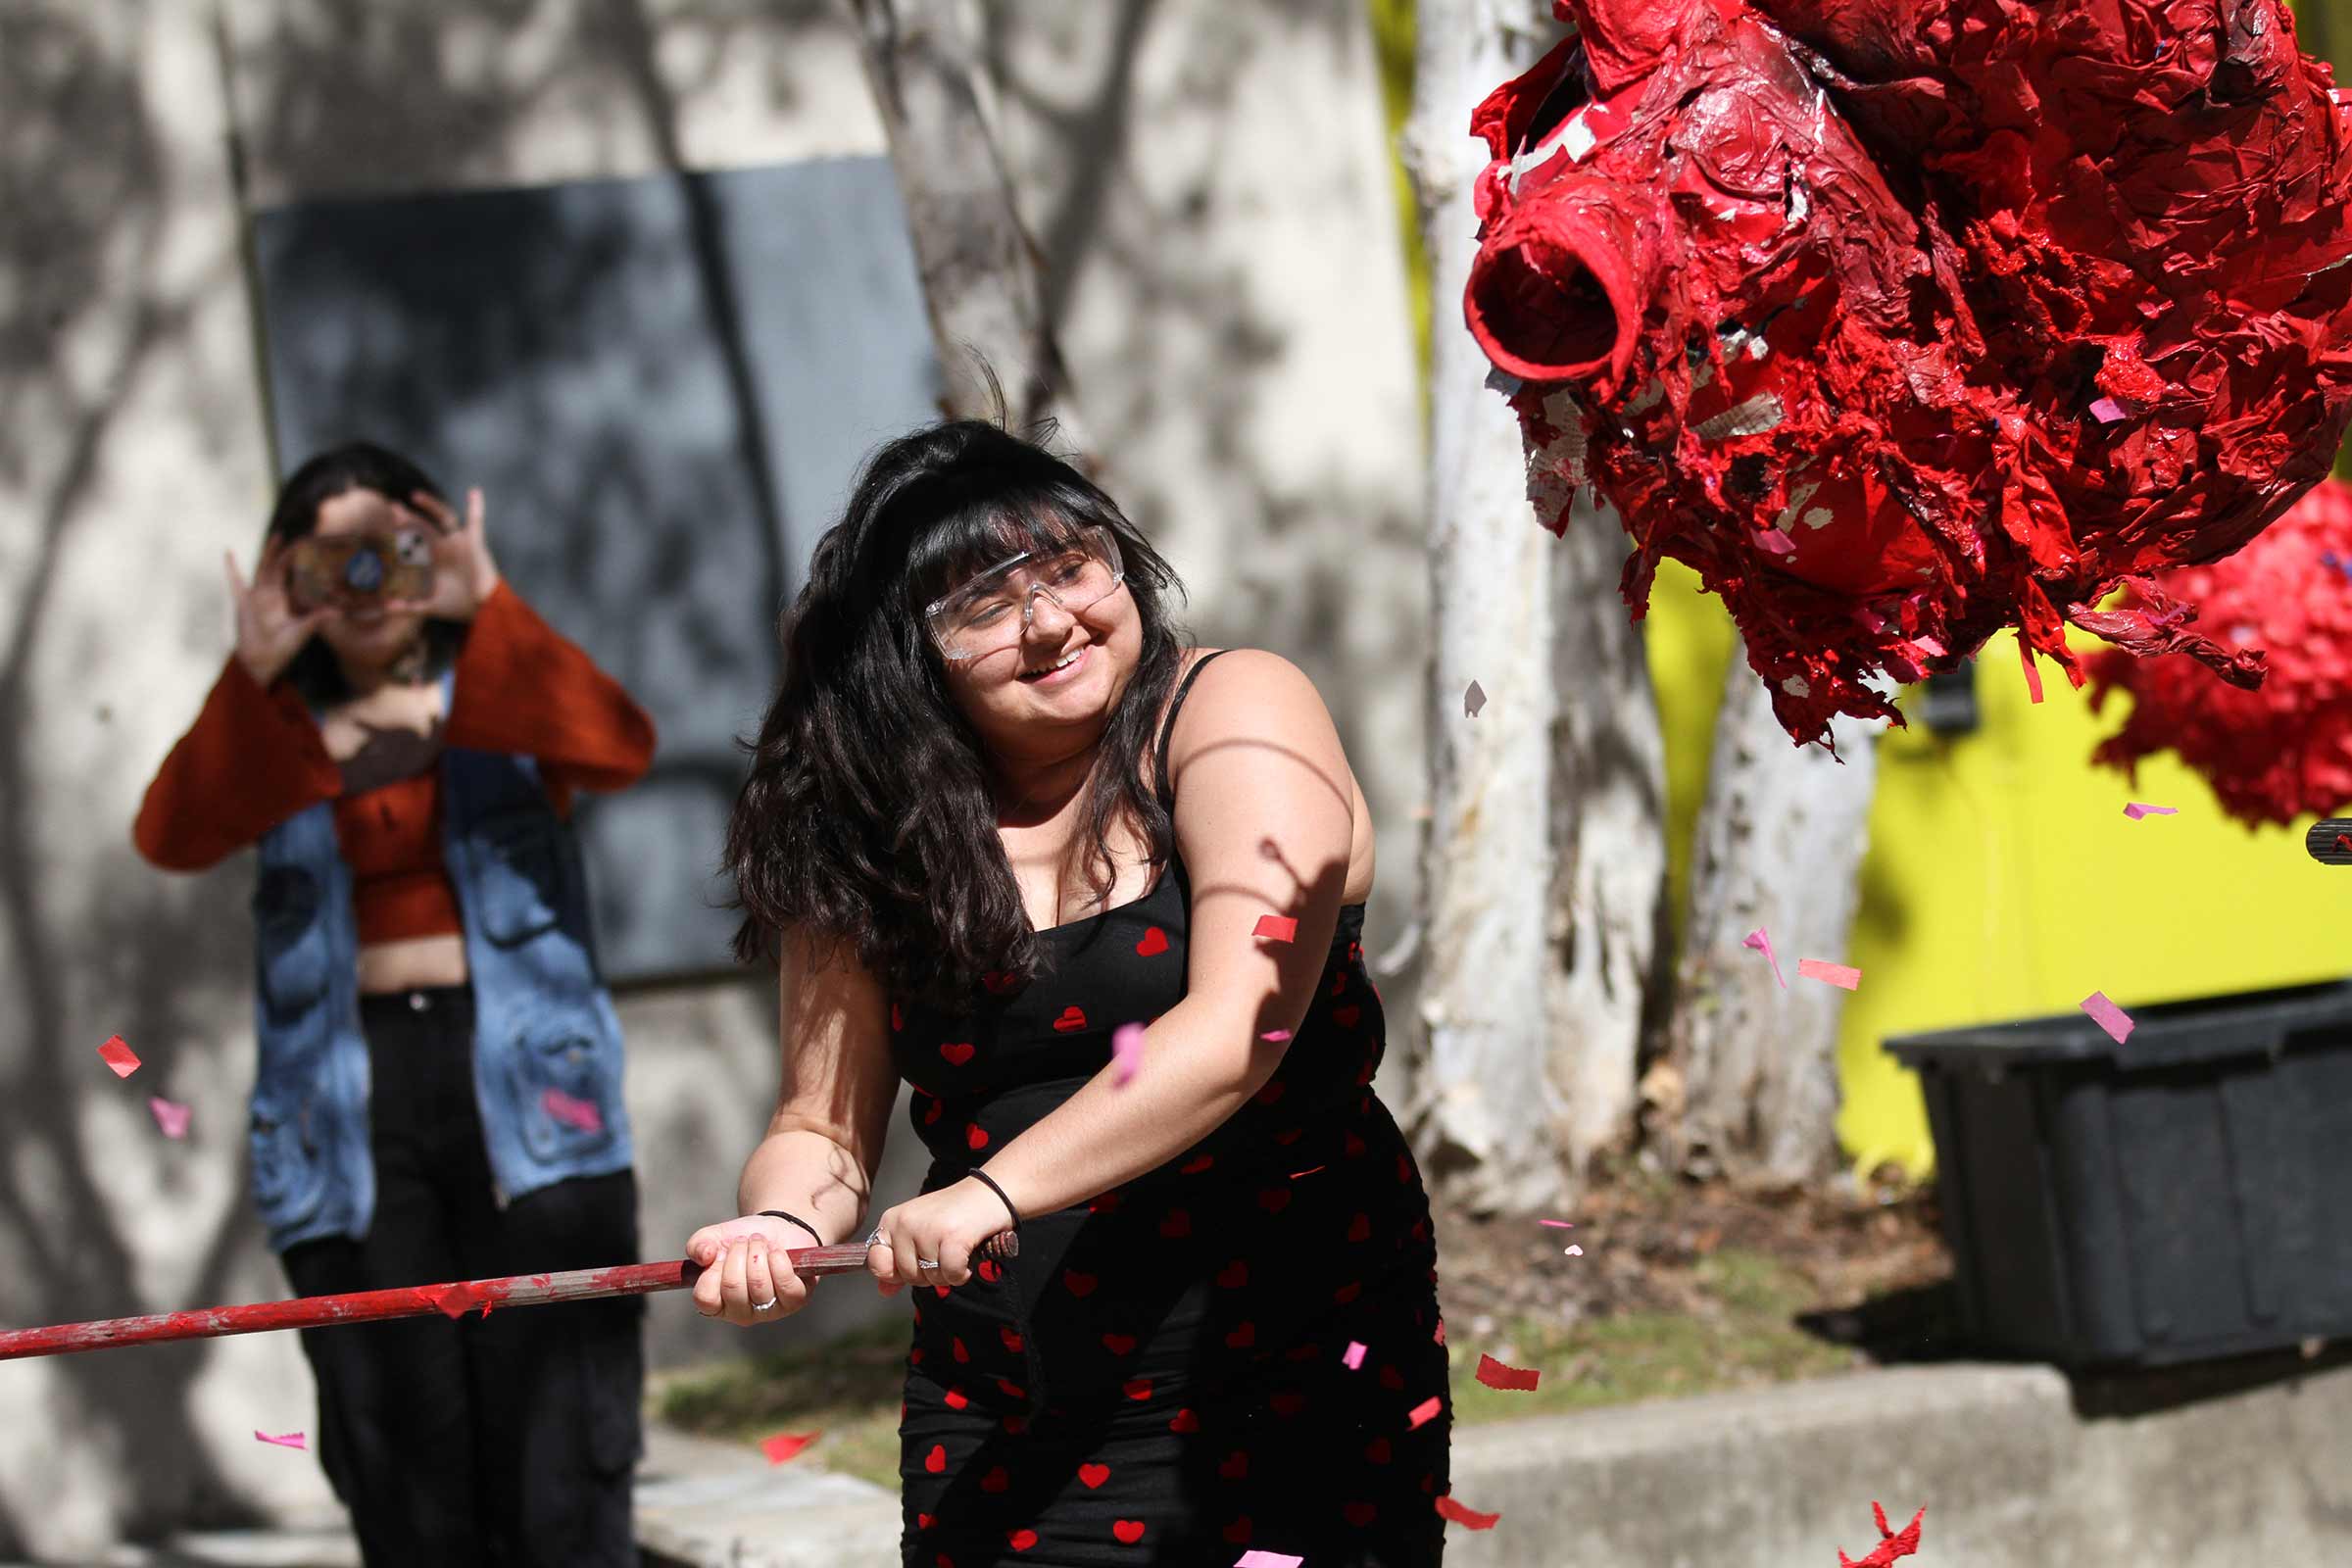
(255, 757)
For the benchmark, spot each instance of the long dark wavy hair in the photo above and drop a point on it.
(867, 819)
(353, 466)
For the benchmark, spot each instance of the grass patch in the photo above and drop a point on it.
(1740, 1337)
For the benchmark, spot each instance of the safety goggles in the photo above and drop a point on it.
(994, 609)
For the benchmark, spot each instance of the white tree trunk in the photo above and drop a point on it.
(1537, 928)
(982, 275)
(1748, 1087)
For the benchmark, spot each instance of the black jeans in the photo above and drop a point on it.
(507, 1438)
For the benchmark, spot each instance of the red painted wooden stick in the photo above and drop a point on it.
(414, 1300)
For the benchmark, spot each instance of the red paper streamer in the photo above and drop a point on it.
(1467, 1517)
(1890, 1544)
(2280, 752)
(1901, 322)
(1495, 1375)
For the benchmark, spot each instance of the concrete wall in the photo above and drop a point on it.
(1208, 182)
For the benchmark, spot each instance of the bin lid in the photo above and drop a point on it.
(2164, 1034)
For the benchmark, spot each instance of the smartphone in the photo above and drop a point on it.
(353, 569)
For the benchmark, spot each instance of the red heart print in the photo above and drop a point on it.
(996, 1480)
(999, 982)
(1339, 983)
(932, 1111)
(914, 1357)
(975, 1137)
(957, 1053)
(1363, 1074)
(1390, 1378)
(1011, 1390)
(1291, 1135)
(1234, 1275)
(1137, 1388)
(1094, 1475)
(1176, 1224)
(936, 1461)
(1359, 1229)
(1271, 1093)
(1015, 1425)
(1274, 1200)
(940, 1290)
(1071, 1019)
(1129, 1531)
(1348, 1017)
(1237, 1534)
(1193, 1168)
(1079, 1285)
(1020, 1539)
(1105, 1202)
(1359, 1514)
(1236, 1466)
(1288, 1403)
(1155, 943)
(1012, 1340)
(1405, 1168)
(897, 1020)
(923, 1521)
(1353, 1145)
(1185, 1421)
(1377, 1451)
(1119, 1344)
(990, 1271)
(963, 1357)
(1241, 1338)
(1347, 1291)
(955, 1399)
(1439, 1336)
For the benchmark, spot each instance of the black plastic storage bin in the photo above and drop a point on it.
(2187, 1194)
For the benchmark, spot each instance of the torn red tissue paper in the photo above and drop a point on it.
(1901, 322)
(1509, 1379)
(785, 1445)
(2284, 749)
(1467, 1517)
(1890, 1544)
(120, 1056)
(1842, 975)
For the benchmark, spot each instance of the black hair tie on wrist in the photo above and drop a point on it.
(983, 1176)
(794, 1219)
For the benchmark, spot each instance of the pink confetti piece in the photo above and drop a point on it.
(1267, 1559)
(1126, 1050)
(1774, 542)
(2108, 1016)
(1843, 976)
(1276, 928)
(572, 1111)
(120, 1056)
(2107, 411)
(1757, 940)
(1425, 1411)
(1275, 1037)
(1473, 699)
(285, 1440)
(786, 1445)
(1353, 1357)
(1558, 1224)
(1574, 1250)
(2135, 809)
(1467, 1517)
(170, 1117)
(1509, 1379)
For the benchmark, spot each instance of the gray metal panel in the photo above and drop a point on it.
(664, 385)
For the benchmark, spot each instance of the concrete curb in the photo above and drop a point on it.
(2206, 1472)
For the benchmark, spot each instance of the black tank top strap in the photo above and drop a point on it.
(1167, 730)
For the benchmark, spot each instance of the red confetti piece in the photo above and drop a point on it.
(1757, 940)
(120, 1056)
(1890, 1545)
(785, 1445)
(1276, 927)
(285, 1440)
(1425, 1411)
(572, 1111)
(1310, 1171)
(1467, 1517)
(2108, 1016)
(1353, 1357)
(456, 1300)
(2136, 810)
(1558, 1224)
(1843, 976)
(168, 1115)
(1126, 1049)
(1509, 1379)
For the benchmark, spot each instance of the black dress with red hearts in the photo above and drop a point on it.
(1239, 1349)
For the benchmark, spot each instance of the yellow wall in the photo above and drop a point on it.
(2003, 879)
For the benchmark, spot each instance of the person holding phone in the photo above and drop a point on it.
(1099, 897)
(401, 737)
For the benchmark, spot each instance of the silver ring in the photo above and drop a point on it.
(875, 1240)
(768, 1305)
(926, 1262)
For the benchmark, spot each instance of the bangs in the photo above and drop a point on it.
(960, 542)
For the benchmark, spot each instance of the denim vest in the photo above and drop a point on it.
(542, 1019)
